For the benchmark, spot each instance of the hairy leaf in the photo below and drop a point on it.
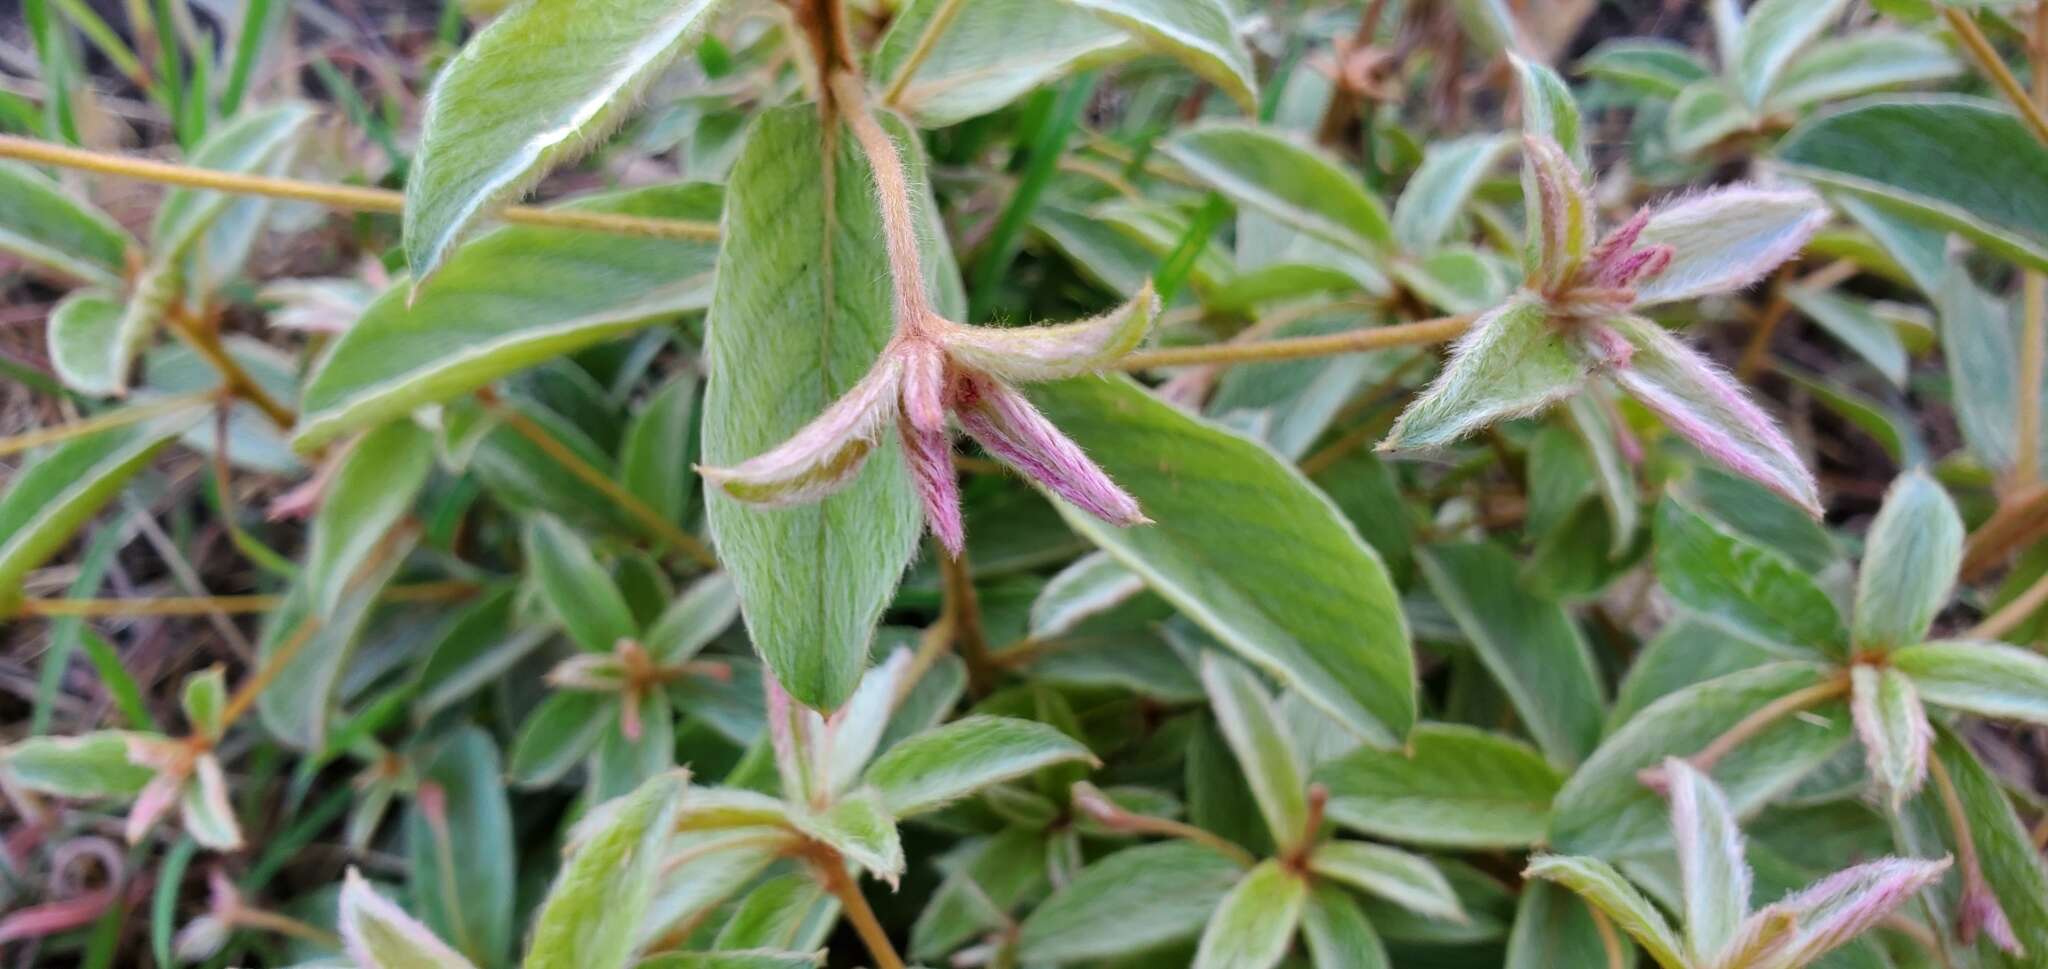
(1254, 924)
(1910, 559)
(1512, 363)
(55, 495)
(1132, 900)
(366, 497)
(1989, 679)
(1454, 786)
(1407, 880)
(927, 770)
(591, 914)
(1271, 172)
(1199, 33)
(1748, 589)
(1603, 887)
(1264, 747)
(40, 223)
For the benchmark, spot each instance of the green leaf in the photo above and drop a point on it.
(1004, 870)
(1254, 924)
(1271, 172)
(2012, 865)
(534, 89)
(927, 770)
(557, 734)
(1704, 113)
(1263, 745)
(514, 298)
(53, 496)
(88, 766)
(1527, 642)
(1450, 172)
(204, 697)
(1091, 585)
(1554, 928)
(1198, 33)
(786, 912)
(1646, 64)
(785, 339)
(1453, 787)
(470, 902)
(1603, 887)
(373, 489)
(1407, 880)
(1975, 170)
(1334, 631)
(658, 445)
(81, 333)
(592, 913)
(756, 959)
(1910, 560)
(379, 935)
(693, 620)
(1511, 363)
(1127, 902)
(1606, 809)
(992, 53)
(1988, 679)
(1338, 934)
(1893, 727)
(859, 827)
(1866, 61)
(1979, 342)
(1745, 588)
(41, 223)
(578, 590)
(1853, 322)
(1772, 32)
(311, 654)
(1548, 109)
(1714, 875)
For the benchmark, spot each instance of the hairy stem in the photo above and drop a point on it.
(961, 615)
(205, 341)
(670, 535)
(231, 605)
(831, 870)
(100, 422)
(350, 198)
(1439, 330)
(927, 41)
(1993, 68)
(892, 188)
(1764, 716)
(1610, 941)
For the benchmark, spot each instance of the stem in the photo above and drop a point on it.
(1764, 716)
(245, 694)
(205, 341)
(664, 529)
(1993, 68)
(899, 231)
(928, 41)
(346, 197)
(1617, 957)
(2009, 616)
(2021, 517)
(961, 615)
(831, 870)
(100, 422)
(233, 605)
(2033, 353)
(256, 918)
(1958, 820)
(1439, 330)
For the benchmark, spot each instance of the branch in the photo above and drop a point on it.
(1421, 333)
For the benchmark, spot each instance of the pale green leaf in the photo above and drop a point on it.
(471, 901)
(79, 333)
(311, 654)
(1334, 631)
(1909, 568)
(1264, 747)
(1606, 809)
(1603, 887)
(1407, 880)
(992, 53)
(534, 89)
(696, 617)
(1527, 642)
(1093, 584)
(369, 494)
(512, 299)
(204, 810)
(577, 589)
(855, 730)
(87, 766)
(1893, 727)
(785, 339)
(737, 959)
(1965, 164)
(1554, 928)
(53, 496)
(557, 734)
(657, 447)
(1255, 923)
(1852, 321)
(1866, 61)
(1726, 239)
(248, 143)
(1453, 786)
(1714, 875)
(1646, 64)
(787, 912)
(1548, 109)
(1773, 31)
(927, 770)
(1988, 679)
(1132, 900)
(1338, 934)
(592, 913)
(1198, 33)
(1512, 363)
(2011, 864)
(1979, 342)
(1003, 870)
(379, 935)
(1704, 113)
(41, 223)
(1730, 582)
(1435, 195)
(861, 829)
(203, 698)
(1300, 186)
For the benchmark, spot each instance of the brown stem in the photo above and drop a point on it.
(831, 870)
(927, 41)
(670, 535)
(100, 422)
(1361, 340)
(2012, 614)
(961, 616)
(1993, 68)
(899, 227)
(232, 605)
(205, 341)
(350, 198)
(2021, 517)
(256, 918)
(1610, 941)
(1764, 716)
(245, 694)
(1091, 801)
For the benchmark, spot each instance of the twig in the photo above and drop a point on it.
(1994, 69)
(1764, 716)
(961, 615)
(205, 341)
(831, 869)
(231, 605)
(1438, 330)
(927, 41)
(100, 422)
(2009, 616)
(347, 197)
(2021, 517)
(572, 462)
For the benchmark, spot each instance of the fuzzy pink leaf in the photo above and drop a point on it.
(1560, 215)
(824, 455)
(155, 799)
(1979, 912)
(1708, 407)
(1015, 432)
(1840, 907)
(1726, 239)
(930, 456)
(1033, 353)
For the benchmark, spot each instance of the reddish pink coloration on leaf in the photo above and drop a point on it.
(930, 456)
(1841, 906)
(1979, 911)
(1013, 430)
(50, 918)
(156, 798)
